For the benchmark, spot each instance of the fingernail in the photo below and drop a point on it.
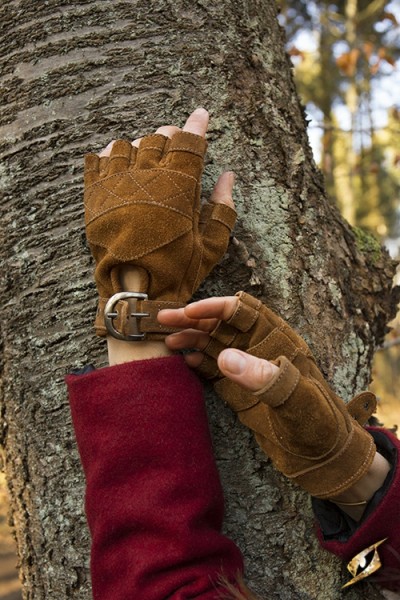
(232, 176)
(199, 111)
(234, 362)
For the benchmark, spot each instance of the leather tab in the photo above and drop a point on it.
(224, 214)
(214, 348)
(224, 333)
(281, 387)
(362, 406)
(184, 141)
(277, 343)
(245, 314)
(208, 368)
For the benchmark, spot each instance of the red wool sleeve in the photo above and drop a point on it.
(154, 501)
(382, 522)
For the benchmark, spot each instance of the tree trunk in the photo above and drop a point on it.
(75, 75)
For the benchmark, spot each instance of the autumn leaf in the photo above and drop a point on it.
(384, 55)
(347, 62)
(368, 48)
(293, 51)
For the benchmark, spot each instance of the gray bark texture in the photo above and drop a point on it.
(74, 76)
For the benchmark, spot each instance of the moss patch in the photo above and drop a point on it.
(367, 244)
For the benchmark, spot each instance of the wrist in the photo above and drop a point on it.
(354, 500)
(120, 351)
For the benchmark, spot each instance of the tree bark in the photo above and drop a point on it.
(75, 75)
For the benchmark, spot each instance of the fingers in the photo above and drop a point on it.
(194, 359)
(91, 169)
(189, 338)
(179, 318)
(107, 150)
(147, 152)
(218, 217)
(168, 130)
(120, 157)
(201, 316)
(248, 371)
(136, 143)
(221, 308)
(152, 147)
(197, 122)
(222, 193)
(197, 319)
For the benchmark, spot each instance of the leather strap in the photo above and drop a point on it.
(362, 406)
(126, 325)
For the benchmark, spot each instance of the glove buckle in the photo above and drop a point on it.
(110, 314)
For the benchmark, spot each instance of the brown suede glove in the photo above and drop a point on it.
(299, 422)
(142, 208)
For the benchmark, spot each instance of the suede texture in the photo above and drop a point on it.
(142, 208)
(299, 422)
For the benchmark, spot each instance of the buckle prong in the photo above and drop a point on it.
(110, 314)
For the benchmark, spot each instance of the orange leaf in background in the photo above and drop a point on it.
(389, 59)
(342, 61)
(368, 48)
(347, 62)
(293, 51)
(384, 55)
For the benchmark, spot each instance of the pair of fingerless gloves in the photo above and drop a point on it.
(142, 208)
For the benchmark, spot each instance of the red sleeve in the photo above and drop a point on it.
(154, 501)
(382, 522)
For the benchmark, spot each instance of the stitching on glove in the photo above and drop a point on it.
(191, 150)
(195, 284)
(111, 158)
(242, 306)
(306, 457)
(338, 488)
(255, 350)
(355, 475)
(137, 202)
(167, 175)
(270, 387)
(133, 202)
(145, 249)
(227, 225)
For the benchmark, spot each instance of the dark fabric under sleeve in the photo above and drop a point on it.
(339, 534)
(154, 501)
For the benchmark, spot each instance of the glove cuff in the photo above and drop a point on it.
(340, 472)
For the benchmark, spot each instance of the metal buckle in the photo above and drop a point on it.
(110, 314)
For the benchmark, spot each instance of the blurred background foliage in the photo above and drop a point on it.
(346, 58)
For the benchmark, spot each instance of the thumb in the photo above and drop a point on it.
(222, 193)
(248, 371)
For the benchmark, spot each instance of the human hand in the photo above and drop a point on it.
(298, 420)
(143, 212)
